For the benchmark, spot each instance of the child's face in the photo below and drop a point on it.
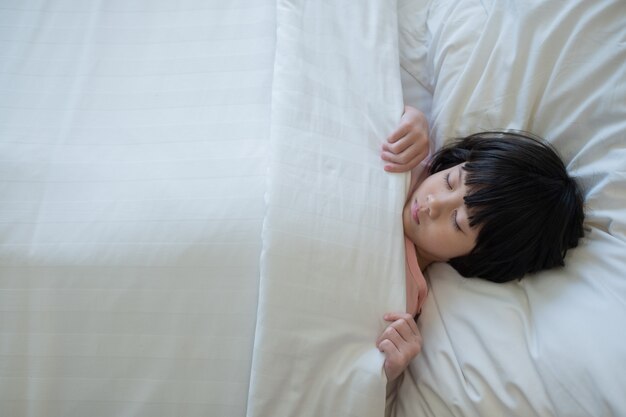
(435, 217)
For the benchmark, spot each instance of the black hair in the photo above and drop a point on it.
(529, 210)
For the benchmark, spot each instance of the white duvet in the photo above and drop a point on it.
(194, 220)
(333, 254)
(133, 156)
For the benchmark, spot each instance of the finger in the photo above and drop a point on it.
(404, 329)
(396, 315)
(402, 144)
(392, 167)
(404, 157)
(388, 348)
(400, 132)
(393, 365)
(410, 321)
(409, 347)
(392, 334)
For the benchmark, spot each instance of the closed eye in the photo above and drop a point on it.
(447, 179)
(454, 222)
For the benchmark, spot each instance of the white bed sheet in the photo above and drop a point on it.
(133, 162)
(553, 344)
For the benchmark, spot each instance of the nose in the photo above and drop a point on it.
(439, 204)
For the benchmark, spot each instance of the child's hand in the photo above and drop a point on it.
(408, 145)
(401, 341)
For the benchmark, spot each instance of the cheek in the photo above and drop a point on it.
(446, 243)
(463, 247)
(437, 239)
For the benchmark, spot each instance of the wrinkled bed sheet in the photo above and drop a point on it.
(553, 344)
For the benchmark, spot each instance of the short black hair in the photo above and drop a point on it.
(529, 209)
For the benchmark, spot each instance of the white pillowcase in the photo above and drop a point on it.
(552, 344)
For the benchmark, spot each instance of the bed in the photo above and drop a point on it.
(194, 219)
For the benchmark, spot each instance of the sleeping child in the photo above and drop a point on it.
(494, 205)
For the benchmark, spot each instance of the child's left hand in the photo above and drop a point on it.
(401, 341)
(408, 145)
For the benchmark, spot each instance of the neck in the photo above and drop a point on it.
(423, 260)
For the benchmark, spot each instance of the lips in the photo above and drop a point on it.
(415, 211)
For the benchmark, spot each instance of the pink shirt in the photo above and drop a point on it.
(416, 288)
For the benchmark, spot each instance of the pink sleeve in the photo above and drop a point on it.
(416, 288)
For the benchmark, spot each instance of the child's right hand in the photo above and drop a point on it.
(408, 145)
(401, 341)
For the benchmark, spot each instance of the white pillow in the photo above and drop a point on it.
(552, 344)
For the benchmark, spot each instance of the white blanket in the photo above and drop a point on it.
(133, 159)
(333, 248)
(134, 141)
